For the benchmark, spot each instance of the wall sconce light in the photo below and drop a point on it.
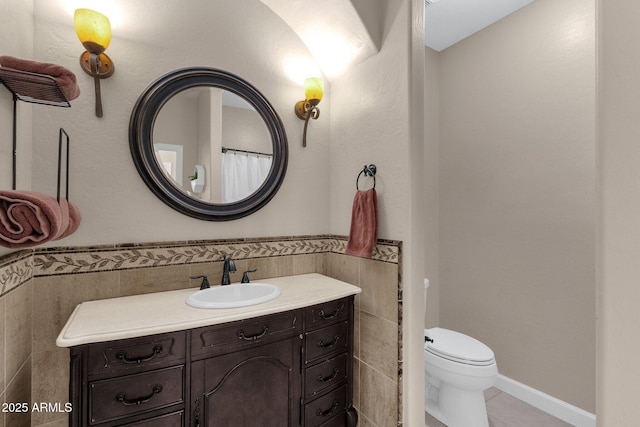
(308, 107)
(94, 32)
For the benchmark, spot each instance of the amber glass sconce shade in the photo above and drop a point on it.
(94, 31)
(308, 107)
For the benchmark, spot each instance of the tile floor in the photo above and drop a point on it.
(505, 410)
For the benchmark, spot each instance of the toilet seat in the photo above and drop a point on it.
(457, 347)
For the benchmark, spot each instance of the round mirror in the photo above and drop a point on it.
(208, 144)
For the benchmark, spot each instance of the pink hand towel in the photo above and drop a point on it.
(28, 219)
(364, 224)
(65, 78)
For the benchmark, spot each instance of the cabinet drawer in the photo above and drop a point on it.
(321, 315)
(326, 374)
(327, 340)
(125, 396)
(175, 419)
(227, 337)
(150, 352)
(321, 411)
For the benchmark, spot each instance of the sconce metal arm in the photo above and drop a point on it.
(306, 110)
(98, 66)
(95, 72)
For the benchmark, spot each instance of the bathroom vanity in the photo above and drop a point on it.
(151, 360)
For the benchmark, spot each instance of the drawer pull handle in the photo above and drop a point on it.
(328, 344)
(329, 411)
(123, 356)
(331, 377)
(332, 315)
(242, 336)
(122, 397)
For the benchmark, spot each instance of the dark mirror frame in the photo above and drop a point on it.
(141, 126)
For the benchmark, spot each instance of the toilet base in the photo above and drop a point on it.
(457, 408)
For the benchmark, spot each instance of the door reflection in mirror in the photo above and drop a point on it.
(193, 127)
(170, 157)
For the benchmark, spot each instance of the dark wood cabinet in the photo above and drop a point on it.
(129, 382)
(285, 369)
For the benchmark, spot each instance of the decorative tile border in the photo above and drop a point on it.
(20, 267)
(162, 255)
(15, 269)
(385, 250)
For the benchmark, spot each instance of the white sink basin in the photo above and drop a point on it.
(232, 296)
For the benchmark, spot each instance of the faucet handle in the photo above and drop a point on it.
(245, 275)
(231, 266)
(205, 281)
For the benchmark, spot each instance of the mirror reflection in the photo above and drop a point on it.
(191, 120)
(212, 145)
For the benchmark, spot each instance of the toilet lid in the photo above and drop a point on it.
(458, 347)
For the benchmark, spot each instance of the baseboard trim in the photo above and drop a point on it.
(549, 404)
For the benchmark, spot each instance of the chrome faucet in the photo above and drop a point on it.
(229, 267)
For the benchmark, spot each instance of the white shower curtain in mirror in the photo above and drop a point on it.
(242, 175)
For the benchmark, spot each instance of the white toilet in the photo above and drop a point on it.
(458, 369)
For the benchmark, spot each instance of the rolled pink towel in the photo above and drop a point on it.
(65, 78)
(64, 218)
(28, 219)
(74, 220)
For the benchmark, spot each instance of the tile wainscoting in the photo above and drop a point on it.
(40, 288)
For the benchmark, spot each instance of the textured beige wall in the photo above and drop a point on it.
(16, 39)
(114, 201)
(372, 125)
(16, 30)
(517, 194)
(431, 184)
(371, 122)
(619, 227)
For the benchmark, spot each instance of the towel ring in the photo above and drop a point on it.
(368, 171)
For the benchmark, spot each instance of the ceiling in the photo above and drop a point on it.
(446, 23)
(449, 21)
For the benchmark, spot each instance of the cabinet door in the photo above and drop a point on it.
(258, 386)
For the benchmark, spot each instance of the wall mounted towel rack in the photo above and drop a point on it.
(66, 179)
(368, 171)
(33, 88)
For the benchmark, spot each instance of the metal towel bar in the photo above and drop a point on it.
(33, 88)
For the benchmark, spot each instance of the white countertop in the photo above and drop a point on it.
(148, 314)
